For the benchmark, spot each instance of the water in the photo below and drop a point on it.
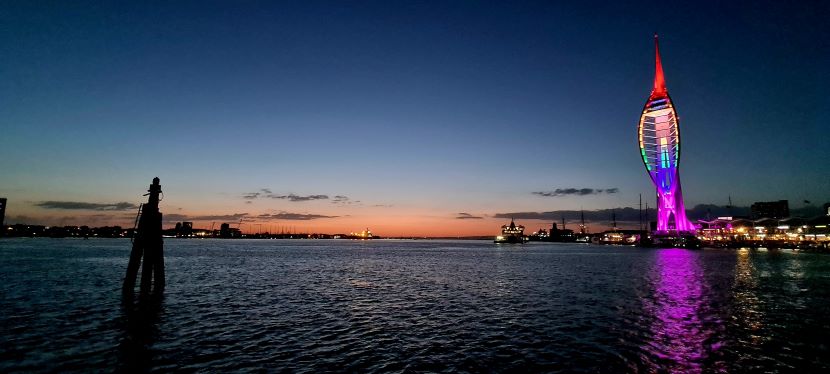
(378, 306)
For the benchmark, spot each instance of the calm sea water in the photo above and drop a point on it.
(378, 306)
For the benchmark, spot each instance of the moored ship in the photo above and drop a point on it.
(511, 233)
(363, 235)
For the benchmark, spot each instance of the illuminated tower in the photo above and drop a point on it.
(659, 135)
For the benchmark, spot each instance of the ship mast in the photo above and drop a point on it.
(582, 219)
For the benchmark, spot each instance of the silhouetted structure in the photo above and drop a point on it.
(2, 213)
(770, 209)
(555, 234)
(147, 242)
(183, 230)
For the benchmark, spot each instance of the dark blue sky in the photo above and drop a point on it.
(434, 107)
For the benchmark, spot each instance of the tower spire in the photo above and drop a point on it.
(659, 80)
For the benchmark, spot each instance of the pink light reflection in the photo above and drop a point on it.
(679, 336)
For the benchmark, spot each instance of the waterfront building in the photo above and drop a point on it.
(184, 229)
(659, 139)
(819, 228)
(225, 230)
(768, 232)
(770, 209)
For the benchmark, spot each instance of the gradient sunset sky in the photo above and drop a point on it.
(410, 118)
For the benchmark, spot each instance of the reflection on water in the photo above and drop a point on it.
(749, 309)
(679, 336)
(140, 330)
(419, 306)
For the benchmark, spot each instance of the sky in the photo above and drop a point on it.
(409, 118)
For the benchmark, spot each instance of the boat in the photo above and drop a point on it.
(555, 234)
(583, 238)
(511, 233)
(363, 235)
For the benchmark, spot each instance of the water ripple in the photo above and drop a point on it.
(390, 306)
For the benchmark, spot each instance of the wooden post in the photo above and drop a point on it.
(147, 242)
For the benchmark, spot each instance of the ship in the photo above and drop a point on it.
(363, 235)
(555, 234)
(511, 233)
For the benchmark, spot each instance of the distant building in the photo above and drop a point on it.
(2, 211)
(226, 231)
(187, 228)
(184, 229)
(770, 209)
(561, 234)
(826, 209)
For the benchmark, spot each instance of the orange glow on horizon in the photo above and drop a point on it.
(383, 222)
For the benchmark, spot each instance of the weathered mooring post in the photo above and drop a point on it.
(147, 241)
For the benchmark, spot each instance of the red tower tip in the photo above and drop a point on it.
(659, 80)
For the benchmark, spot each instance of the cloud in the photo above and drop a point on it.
(22, 219)
(342, 200)
(601, 215)
(266, 193)
(220, 217)
(77, 205)
(577, 192)
(295, 198)
(75, 220)
(467, 216)
(263, 192)
(173, 217)
(293, 216)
